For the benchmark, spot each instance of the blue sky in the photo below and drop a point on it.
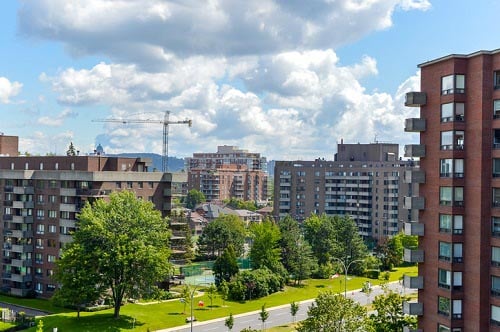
(288, 78)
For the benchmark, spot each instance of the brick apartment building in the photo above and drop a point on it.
(459, 198)
(40, 197)
(230, 172)
(9, 145)
(365, 181)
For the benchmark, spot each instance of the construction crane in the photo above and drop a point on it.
(165, 122)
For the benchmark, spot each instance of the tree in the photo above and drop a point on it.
(390, 316)
(193, 198)
(334, 312)
(390, 252)
(39, 326)
(263, 315)
(79, 280)
(219, 234)
(224, 291)
(290, 234)
(229, 322)
(212, 293)
(265, 250)
(225, 266)
(294, 308)
(125, 241)
(185, 297)
(240, 204)
(71, 150)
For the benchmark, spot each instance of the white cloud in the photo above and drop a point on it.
(8, 90)
(48, 143)
(148, 32)
(57, 120)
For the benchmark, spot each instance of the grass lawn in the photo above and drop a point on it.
(140, 317)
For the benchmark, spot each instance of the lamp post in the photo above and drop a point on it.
(346, 268)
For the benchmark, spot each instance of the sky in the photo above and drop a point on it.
(287, 78)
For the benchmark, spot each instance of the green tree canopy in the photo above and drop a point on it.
(334, 312)
(218, 234)
(335, 237)
(71, 150)
(193, 198)
(265, 250)
(240, 204)
(390, 316)
(126, 244)
(225, 266)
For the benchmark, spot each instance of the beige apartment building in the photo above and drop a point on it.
(365, 181)
(230, 172)
(40, 199)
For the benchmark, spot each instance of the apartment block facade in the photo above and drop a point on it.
(365, 181)
(228, 173)
(9, 145)
(40, 199)
(459, 197)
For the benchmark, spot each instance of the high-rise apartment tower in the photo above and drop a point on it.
(459, 195)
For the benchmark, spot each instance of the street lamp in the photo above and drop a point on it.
(346, 268)
(191, 319)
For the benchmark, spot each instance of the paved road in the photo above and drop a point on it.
(278, 315)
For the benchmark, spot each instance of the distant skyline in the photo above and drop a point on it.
(285, 78)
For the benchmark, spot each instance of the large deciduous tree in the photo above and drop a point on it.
(265, 251)
(193, 198)
(334, 312)
(390, 316)
(225, 266)
(124, 244)
(219, 234)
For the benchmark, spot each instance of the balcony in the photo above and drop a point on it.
(24, 190)
(414, 228)
(67, 191)
(415, 99)
(22, 248)
(415, 150)
(413, 255)
(19, 233)
(414, 125)
(415, 176)
(67, 207)
(21, 262)
(23, 205)
(413, 202)
(22, 292)
(416, 282)
(413, 308)
(21, 278)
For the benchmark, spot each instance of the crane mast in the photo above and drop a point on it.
(165, 122)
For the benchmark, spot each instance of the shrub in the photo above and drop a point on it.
(372, 273)
(324, 271)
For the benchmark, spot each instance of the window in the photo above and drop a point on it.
(451, 223)
(496, 109)
(129, 185)
(52, 214)
(51, 258)
(50, 272)
(52, 184)
(118, 184)
(38, 258)
(38, 272)
(496, 197)
(496, 139)
(496, 167)
(52, 198)
(443, 306)
(52, 228)
(495, 226)
(51, 288)
(452, 168)
(39, 243)
(452, 112)
(457, 280)
(445, 251)
(457, 309)
(495, 285)
(150, 184)
(51, 243)
(39, 287)
(458, 253)
(40, 214)
(39, 199)
(495, 256)
(453, 84)
(139, 184)
(451, 196)
(496, 79)
(65, 215)
(495, 315)
(442, 328)
(452, 140)
(444, 279)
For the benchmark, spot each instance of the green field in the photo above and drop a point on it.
(150, 317)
